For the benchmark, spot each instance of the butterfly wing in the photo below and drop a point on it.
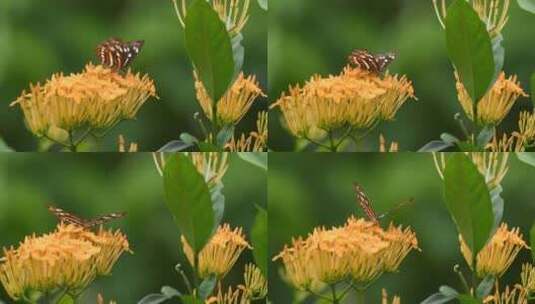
(364, 202)
(66, 217)
(104, 219)
(131, 50)
(364, 60)
(383, 60)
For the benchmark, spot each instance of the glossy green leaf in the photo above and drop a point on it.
(188, 198)
(498, 53)
(263, 4)
(4, 147)
(209, 48)
(224, 136)
(497, 207)
(445, 295)
(218, 203)
(238, 54)
(207, 287)
(435, 146)
(469, 48)
(485, 136)
(468, 201)
(485, 287)
(175, 146)
(532, 241)
(170, 292)
(259, 159)
(259, 237)
(526, 157)
(527, 5)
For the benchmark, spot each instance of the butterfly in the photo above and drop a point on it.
(116, 54)
(376, 64)
(365, 204)
(68, 218)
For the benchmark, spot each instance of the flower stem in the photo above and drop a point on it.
(333, 146)
(333, 291)
(457, 270)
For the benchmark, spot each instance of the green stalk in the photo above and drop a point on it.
(333, 292)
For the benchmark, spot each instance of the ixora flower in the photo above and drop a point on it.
(220, 253)
(211, 165)
(70, 257)
(97, 98)
(496, 104)
(496, 257)
(255, 282)
(236, 296)
(235, 103)
(492, 165)
(526, 126)
(528, 277)
(234, 13)
(355, 98)
(395, 300)
(256, 141)
(360, 251)
(494, 13)
(511, 295)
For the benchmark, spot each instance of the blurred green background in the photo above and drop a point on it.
(313, 36)
(40, 38)
(93, 184)
(306, 190)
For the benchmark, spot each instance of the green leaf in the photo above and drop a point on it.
(188, 138)
(263, 4)
(485, 136)
(238, 54)
(259, 238)
(526, 157)
(188, 198)
(468, 201)
(527, 5)
(468, 299)
(154, 298)
(435, 146)
(448, 138)
(218, 203)
(446, 294)
(259, 159)
(497, 207)
(209, 48)
(175, 146)
(485, 287)
(469, 48)
(532, 241)
(532, 84)
(224, 135)
(170, 292)
(66, 299)
(4, 147)
(498, 53)
(167, 293)
(206, 287)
